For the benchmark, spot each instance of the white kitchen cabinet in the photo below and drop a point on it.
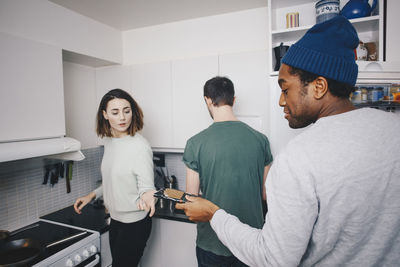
(392, 32)
(31, 96)
(249, 74)
(280, 133)
(189, 111)
(369, 29)
(112, 77)
(171, 93)
(171, 243)
(81, 104)
(152, 89)
(106, 259)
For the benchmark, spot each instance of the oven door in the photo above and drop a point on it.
(92, 261)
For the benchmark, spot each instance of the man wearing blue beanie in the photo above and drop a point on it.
(333, 192)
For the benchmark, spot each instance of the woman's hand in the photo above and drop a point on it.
(147, 202)
(82, 201)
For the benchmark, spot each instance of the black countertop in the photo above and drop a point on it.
(171, 214)
(94, 216)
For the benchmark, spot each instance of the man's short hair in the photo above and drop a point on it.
(220, 90)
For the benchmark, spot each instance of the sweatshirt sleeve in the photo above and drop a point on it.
(292, 212)
(99, 191)
(145, 171)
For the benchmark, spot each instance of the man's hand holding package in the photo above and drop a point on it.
(198, 209)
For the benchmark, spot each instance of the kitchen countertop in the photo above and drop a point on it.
(171, 214)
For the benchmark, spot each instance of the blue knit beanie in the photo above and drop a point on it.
(327, 49)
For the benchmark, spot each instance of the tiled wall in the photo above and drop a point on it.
(23, 197)
(176, 167)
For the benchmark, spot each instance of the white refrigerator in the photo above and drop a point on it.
(369, 82)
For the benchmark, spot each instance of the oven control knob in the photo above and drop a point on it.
(85, 253)
(69, 263)
(93, 249)
(77, 258)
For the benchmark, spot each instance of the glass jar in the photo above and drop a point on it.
(376, 94)
(364, 95)
(356, 96)
(395, 88)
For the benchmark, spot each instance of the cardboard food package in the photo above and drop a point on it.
(372, 51)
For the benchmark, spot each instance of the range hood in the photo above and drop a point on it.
(63, 148)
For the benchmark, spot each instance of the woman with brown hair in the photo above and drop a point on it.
(127, 177)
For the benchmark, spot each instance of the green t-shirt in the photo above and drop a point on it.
(230, 158)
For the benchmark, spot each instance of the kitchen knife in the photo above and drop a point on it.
(162, 171)
(62, 169)
(46, 175)
(52, 176)
(56, 172)
(68, 176)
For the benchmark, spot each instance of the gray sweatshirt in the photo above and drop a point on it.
(333, 198)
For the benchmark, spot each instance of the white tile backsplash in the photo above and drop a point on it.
(176, 167)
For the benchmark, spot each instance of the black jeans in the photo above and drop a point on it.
(208, 259)
(127, 241)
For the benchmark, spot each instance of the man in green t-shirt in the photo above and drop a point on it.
(229, 162)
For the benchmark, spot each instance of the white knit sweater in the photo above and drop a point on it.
(127, 172)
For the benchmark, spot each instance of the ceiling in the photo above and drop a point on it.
(130, 14)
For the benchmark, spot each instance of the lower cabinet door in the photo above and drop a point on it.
(171, 243)
(105, 251)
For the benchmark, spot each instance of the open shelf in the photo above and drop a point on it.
(384, 105)
(293, 34)
(365, 22)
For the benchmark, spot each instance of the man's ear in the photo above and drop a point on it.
(320, 87)
(105, 115)
(208, 101)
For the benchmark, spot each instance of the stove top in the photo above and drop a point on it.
(46, 233)
(92, 217)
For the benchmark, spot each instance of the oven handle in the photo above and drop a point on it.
(94, 262)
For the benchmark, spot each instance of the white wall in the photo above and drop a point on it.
(46, 22)
(220, 34)
(80, 103)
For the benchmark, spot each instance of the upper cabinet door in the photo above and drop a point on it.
(189, 111)
(112, 77)
(392, 32)
(280, 132)
(108, 78)
(151, 88)
(249, 74)
(31, 95)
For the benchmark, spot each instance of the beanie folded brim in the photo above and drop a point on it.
(328, 66)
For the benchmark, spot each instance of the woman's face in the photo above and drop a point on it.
(119, 115)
